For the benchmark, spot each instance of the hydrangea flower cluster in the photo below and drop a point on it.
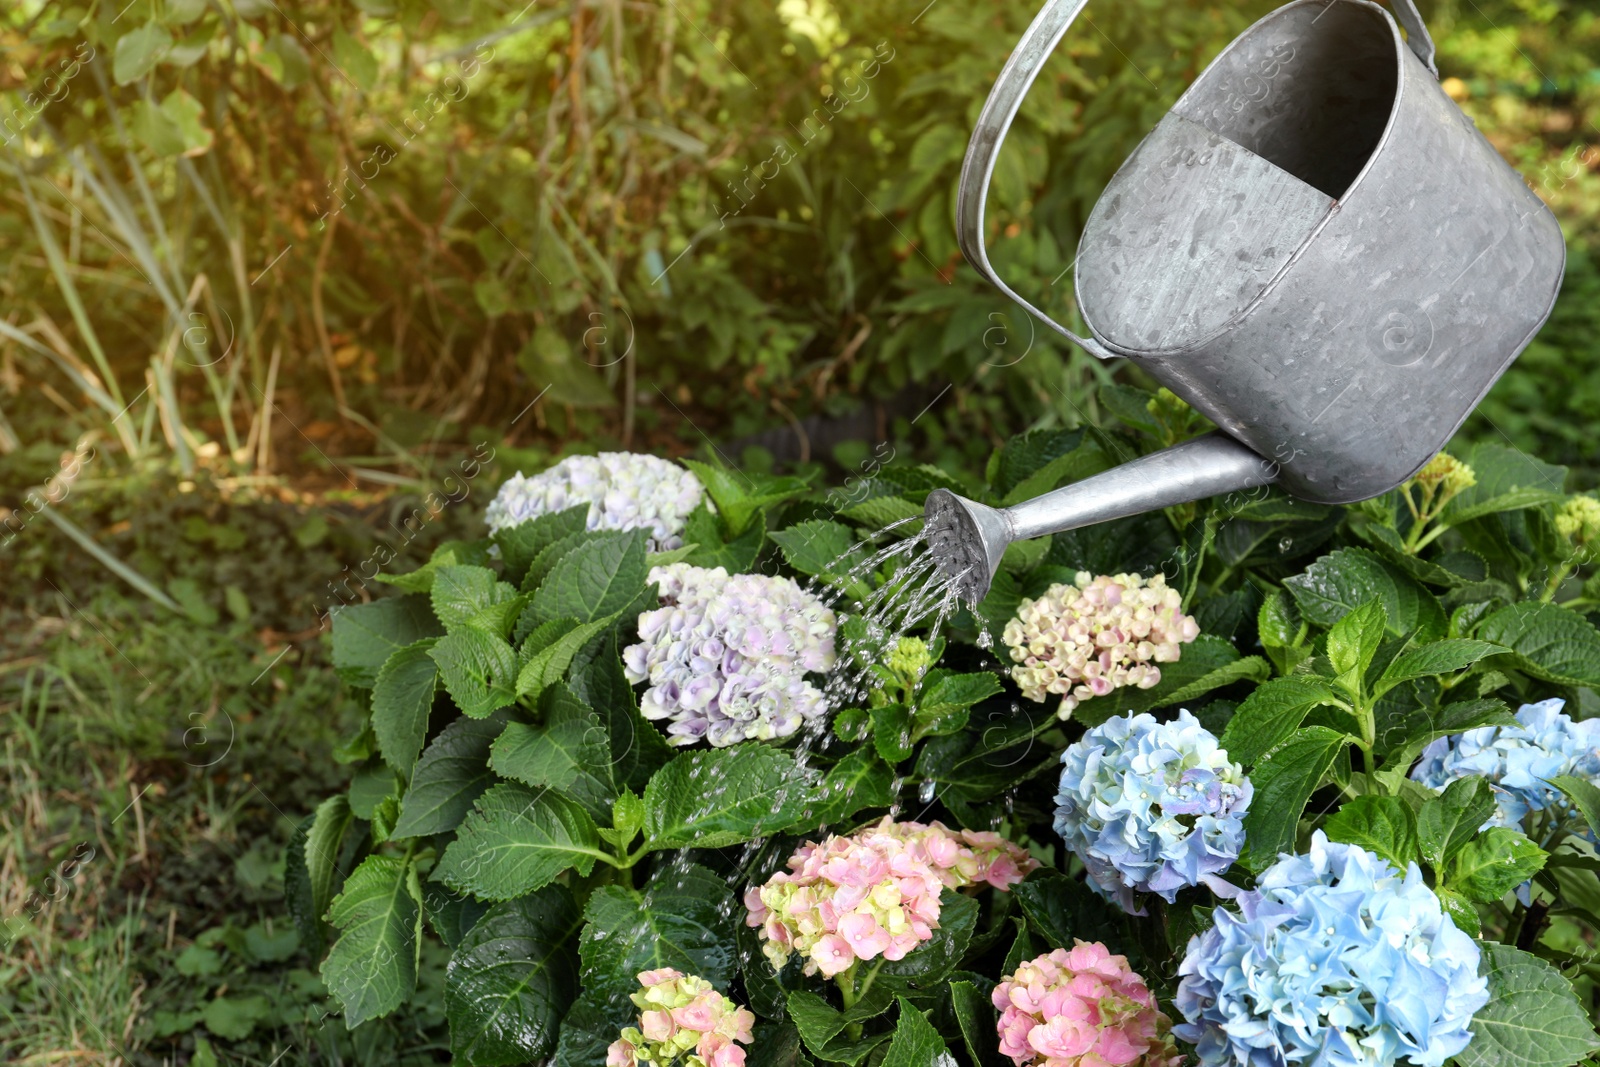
(1579, 522)
(1082, 1007)
(1151, 806)
(682, 1014)
(727, 656)
(874, 893)
(1519, 762)
(624, 491)
(1335, 958)
(1084, 640)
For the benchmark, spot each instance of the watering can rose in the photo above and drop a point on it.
(874, 893)
(1084, 640)
(624, 491)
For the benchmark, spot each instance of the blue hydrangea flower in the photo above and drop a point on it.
(1334, 959)
(1151, 806)
(1519, 761)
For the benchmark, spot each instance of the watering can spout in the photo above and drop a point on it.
(968, 539)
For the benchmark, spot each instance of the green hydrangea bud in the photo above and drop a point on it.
(1445, 476)
(1579, 522)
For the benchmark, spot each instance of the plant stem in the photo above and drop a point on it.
(1554, 583)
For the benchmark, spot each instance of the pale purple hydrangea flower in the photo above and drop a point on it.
(1519, 762)
(624, 491)
(727, 656)
(1336, 959)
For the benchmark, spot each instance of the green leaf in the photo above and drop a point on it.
(451, 775)
(1507, 479)
(1402, 741)
(521, 544)
(449, 554)
(975, 1016)
(857, 782)
(637, 748)
(596, 580)
(740, 496)
(372, 968)
(1383, 825)
(550, 557)
(233, 1018)
(822, 1027)
(1493, 863)
(1271, 714)
(916, 1043)
(1533, 1018)
(1028, 453)
(1063, 909)
(822, 549)
(517, 840)
(366, 635)
(682, 918)
(736, 556)
(1281, 632)
(1447, 822)
(545, 667)
(512, 978)
(450, 914)
(891, 732)
(1438, 657)
(402, 700)
(1549, 642)
(945, 699)
(479, 669)
(461, 592)
(1072, 466)
(355, 61)
(138, 52)
(725, 796)
(1354, 640)
(311, 872)
(1284, 780)
(1205, 664)
(1584, 796)
(568, 751)
(1341, 581)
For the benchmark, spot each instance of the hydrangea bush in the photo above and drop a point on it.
(637, 784)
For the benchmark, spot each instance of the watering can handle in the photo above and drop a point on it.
(1000, 110)
(1417, 36)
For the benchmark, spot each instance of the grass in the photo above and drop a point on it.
(153, 766)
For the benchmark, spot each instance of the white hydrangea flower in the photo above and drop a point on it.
(727, 656)
(1083, 640)
(624, 490)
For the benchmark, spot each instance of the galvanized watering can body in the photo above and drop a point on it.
(1315, 248)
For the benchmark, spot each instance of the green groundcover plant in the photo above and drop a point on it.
(1272, 783)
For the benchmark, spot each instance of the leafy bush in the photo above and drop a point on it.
(448, 208)
(511, 798)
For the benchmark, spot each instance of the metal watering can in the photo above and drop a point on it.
(1315, 248)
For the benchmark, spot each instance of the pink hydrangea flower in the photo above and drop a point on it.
(682, 1016)
(874, 893)
(1081, 1007)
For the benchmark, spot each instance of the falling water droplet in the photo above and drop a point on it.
(925, 794)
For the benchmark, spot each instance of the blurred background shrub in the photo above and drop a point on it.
(401, 222)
